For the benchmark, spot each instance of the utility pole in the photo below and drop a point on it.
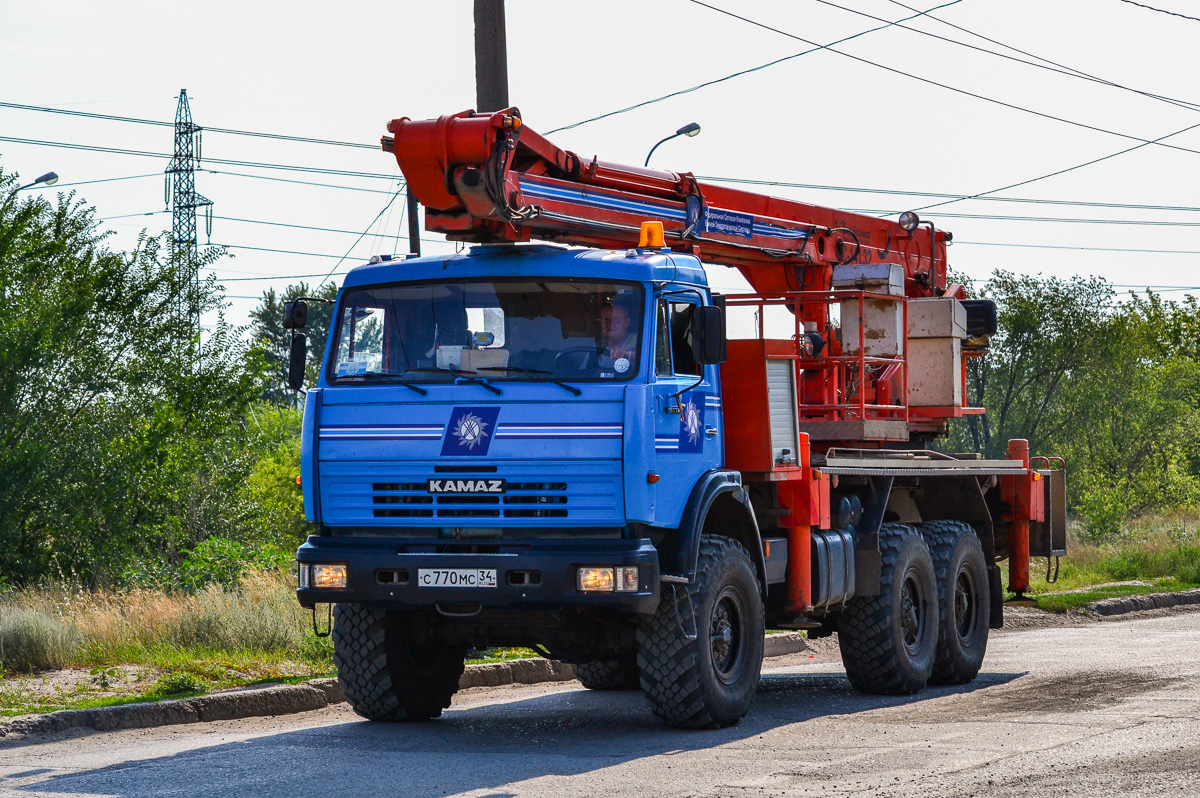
(179, 193)
(491, 56)
(491, 85)
(414, 226)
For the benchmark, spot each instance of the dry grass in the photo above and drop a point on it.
(61, 624)
(1151, 554)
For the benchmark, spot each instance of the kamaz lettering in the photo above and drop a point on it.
(466, 486)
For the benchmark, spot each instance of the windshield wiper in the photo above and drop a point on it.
(534, 373)
(390, 379)
(465, 376)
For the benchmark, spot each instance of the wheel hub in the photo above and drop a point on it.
(912, 612)
(964, 605)
(725, 636)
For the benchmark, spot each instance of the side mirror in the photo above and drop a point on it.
(295, 315)
(296, 361)
(708, 335)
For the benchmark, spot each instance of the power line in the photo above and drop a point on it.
(281, 252)
(936, 195)
(1045, 60)
(1056, 219)
(130, 215)
(1160, 10)
(303, 182)
(228, 174)
(250, 164)
(1060, 171)
(947, 86)
(315, 229)
(360, 238)
(111, 118)
(706, 84)
(1049, 66)
(102, 180)
(958, 243)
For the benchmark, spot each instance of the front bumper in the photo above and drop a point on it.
(374, 565)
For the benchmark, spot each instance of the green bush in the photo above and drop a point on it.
(232, 620)
(179, 683)
(30, 640)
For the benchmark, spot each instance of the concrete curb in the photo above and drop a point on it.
(286, 699)
(1152, 601)
(283, 699)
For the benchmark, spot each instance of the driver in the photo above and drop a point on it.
(620, 334)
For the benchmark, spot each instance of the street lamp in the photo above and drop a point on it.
(689, 130)
(50, 178)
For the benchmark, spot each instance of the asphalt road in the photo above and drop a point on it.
(1100, 709)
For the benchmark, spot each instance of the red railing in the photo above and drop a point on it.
(847, 387)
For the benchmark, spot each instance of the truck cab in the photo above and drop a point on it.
(475, 436)
(503, 443)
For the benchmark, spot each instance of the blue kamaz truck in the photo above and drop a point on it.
(583, 451)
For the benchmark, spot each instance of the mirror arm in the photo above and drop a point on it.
(677, 394)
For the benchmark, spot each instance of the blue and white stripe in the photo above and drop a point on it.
(381, 432)
(533, 189)
(666, 443)
(778, 231)
(561, 431)
(595, 199)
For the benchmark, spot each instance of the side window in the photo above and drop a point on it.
(360, 345)
(662, 342)
(681, 339)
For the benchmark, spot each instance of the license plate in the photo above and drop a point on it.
(456, 577)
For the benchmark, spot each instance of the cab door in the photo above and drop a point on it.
(687, 414)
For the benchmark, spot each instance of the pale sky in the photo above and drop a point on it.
(340, 72)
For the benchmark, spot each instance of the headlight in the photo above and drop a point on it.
(596, 580)
(623, 579)
(329, 576)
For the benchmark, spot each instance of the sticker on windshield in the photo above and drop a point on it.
(621, 364)
(352, 368)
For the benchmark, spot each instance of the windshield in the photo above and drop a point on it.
(568, 330)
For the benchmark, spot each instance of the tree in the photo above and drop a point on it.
(275, 342)
(1113, 387)
(122, 439)
(1046, 328)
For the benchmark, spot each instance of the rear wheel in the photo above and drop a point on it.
(700, 655)
(391, 666)
(888, 641)
(964, 605)
(609, 674)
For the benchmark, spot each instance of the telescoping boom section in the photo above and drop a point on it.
(487, 178)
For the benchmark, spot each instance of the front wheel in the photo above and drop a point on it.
(701, 653)
(391, 665)
(889, 641)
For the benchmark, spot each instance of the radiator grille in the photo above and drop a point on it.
(536, 493)
(523, 500)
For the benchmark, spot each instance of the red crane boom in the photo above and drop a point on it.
(488, 178)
